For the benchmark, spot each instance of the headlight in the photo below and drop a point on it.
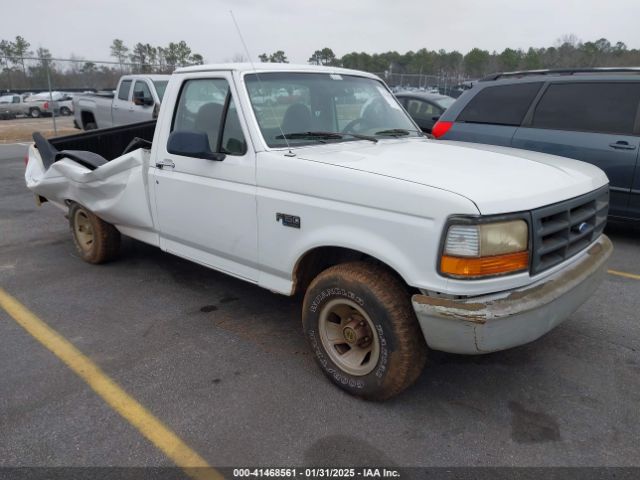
(485, 249)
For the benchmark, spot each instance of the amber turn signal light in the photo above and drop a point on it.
(467, 267)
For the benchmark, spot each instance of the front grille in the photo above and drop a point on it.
(563, 229)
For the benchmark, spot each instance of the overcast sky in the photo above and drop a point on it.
(86, 28)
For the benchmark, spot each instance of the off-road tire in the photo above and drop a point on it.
(387, 302)
(105, 244)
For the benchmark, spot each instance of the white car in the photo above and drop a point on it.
(398, 242)
(63, 100)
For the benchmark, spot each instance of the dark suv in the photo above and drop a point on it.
(591, 115)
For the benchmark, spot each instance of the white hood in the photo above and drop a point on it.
(496, 179)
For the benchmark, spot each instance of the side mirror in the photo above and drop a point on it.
(137, 98)
(192, 144)
(140, 99)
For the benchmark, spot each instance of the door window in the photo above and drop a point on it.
(420, 110)
(141, 90)
(123, 91)
(500, 105)
(233, 142)
(205, 105)
(589, 107)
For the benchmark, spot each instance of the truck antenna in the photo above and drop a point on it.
(253, 67)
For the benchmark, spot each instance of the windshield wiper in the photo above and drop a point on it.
(325, 136)
(397, 132)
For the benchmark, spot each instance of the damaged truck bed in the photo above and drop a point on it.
(104, 170)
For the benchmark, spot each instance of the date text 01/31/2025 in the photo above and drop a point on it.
(315, 472)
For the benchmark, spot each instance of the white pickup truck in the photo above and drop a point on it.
(136, 99)
(32, 106)
(399, 243)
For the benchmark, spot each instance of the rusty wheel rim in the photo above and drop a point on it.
(83, 230)
(349, 337)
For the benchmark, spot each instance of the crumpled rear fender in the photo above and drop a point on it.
(117, 191)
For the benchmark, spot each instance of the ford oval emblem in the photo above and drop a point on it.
(580, 228)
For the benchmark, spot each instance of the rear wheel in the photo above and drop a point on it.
(64, 111)
(96, 240)
(35, 113)
(363, 331)
(90, 126)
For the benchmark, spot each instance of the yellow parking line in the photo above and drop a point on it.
(132, 411)
(624, 274)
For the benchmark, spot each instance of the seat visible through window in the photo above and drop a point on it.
(297, 118)
(208, 121)
(233, 141)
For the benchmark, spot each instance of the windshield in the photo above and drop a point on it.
(308, 108)
(161, 86)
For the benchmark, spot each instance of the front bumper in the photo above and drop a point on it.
(496, 322)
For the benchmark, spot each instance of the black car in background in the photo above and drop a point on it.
(424, 108)
(591, 115)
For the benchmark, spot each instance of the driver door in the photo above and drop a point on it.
(206, 209)
(141, 108)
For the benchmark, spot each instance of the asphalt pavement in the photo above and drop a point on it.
(224, 364)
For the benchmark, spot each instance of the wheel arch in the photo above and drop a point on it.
(318, 258)
(87, 117)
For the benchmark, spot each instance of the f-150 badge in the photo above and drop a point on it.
(288, 220)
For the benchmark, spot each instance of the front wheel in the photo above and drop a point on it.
(363, 331)
(96, 240)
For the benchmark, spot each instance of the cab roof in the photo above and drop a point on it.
(150, 76)
(272, 67)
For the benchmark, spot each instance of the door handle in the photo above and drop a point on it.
(622, 145)
(165, 163)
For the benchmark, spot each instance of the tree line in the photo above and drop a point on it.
(146, 58)
(568, 52)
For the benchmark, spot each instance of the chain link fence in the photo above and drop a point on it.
(57, 79)
(32, 74)
(444, 84)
